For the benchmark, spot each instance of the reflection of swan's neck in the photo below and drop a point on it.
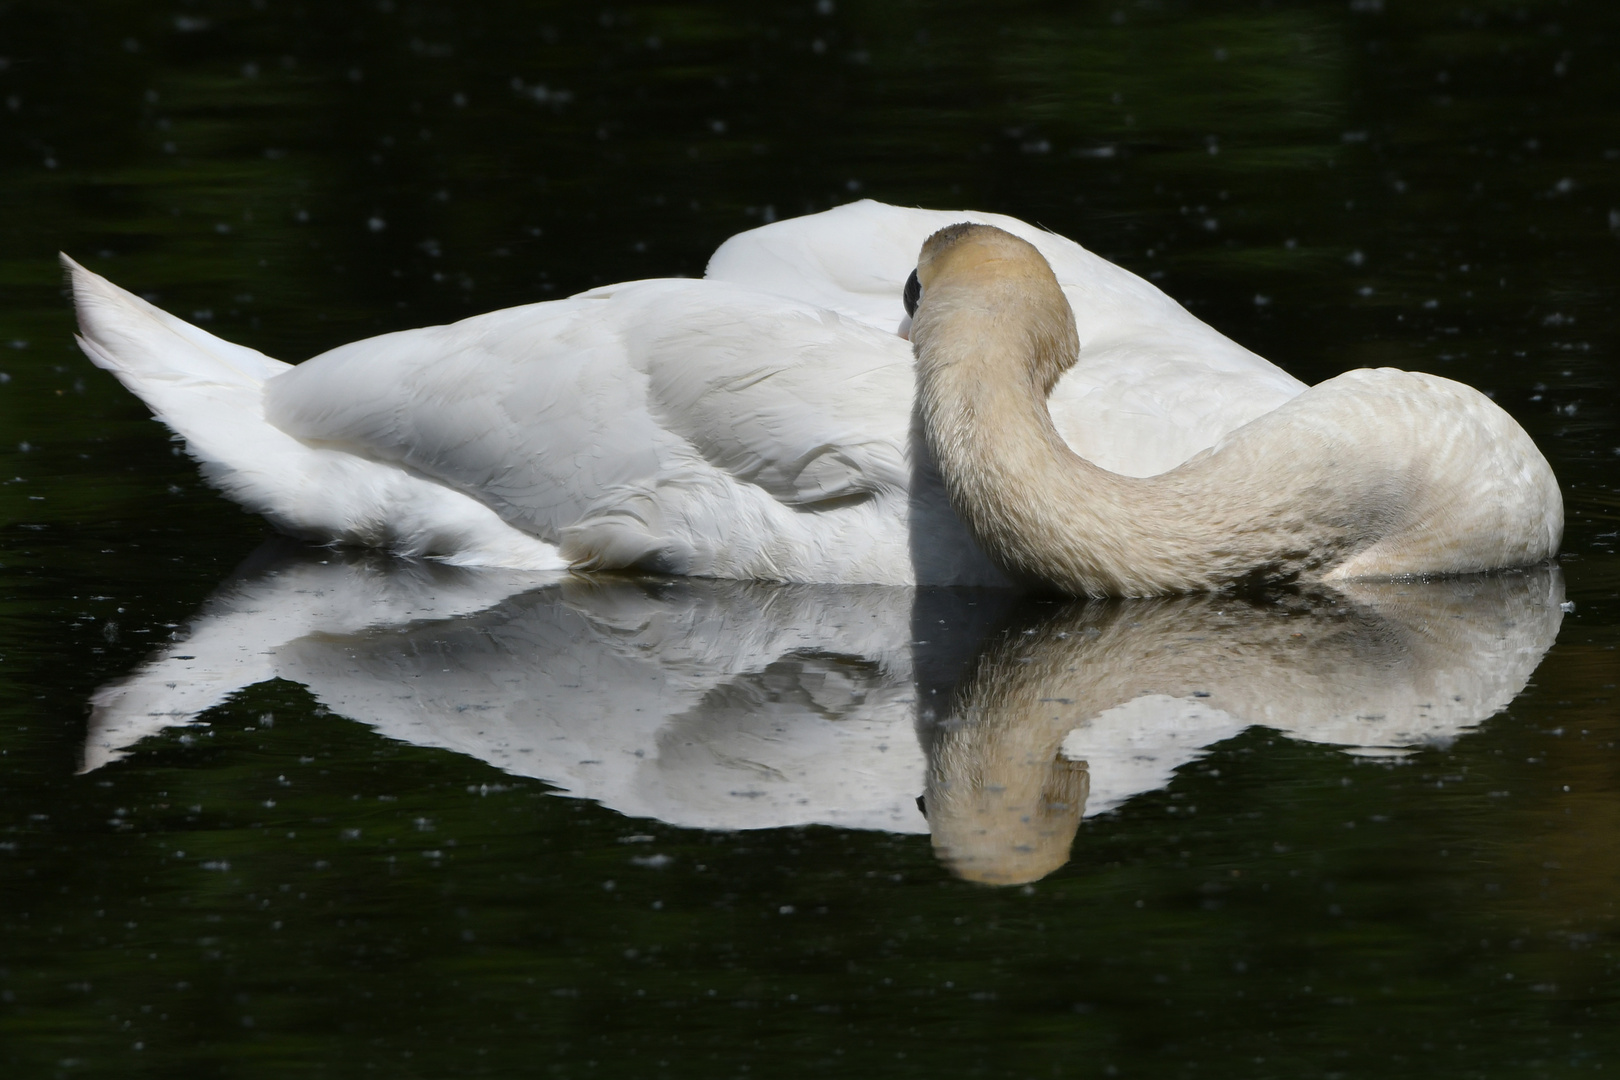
(1137, 688)
(1342, 481)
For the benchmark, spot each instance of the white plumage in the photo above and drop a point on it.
(754, 424)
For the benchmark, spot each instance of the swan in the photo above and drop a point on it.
(759, 423)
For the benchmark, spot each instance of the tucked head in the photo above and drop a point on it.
(969, 252)
(1000, 281)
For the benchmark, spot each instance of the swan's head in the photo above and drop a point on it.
(977, 286)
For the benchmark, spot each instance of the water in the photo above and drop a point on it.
(393, 817)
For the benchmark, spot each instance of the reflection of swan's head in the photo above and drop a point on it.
(1003, 807)
(1003, 803)
(977, 279)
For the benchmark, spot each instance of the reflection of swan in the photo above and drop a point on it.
(717, 704)
(756, 424)
(1075, 708)
(1372, 474)
(707, 704)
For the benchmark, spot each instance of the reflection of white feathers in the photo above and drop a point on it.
(234, 641)
(705, 704)
(1137, 746)
(719, 704)
(755, 424)
(709, 704)
(1138, 689)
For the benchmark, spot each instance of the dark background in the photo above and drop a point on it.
(1422, 183)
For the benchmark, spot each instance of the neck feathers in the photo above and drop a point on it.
(992, 334)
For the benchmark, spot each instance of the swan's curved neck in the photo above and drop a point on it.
(1372, 474)
(991, 339)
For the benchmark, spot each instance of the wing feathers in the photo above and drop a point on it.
(572, 418)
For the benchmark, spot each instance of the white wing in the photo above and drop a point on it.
(684, 426)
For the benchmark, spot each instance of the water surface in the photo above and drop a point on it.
(389, 816)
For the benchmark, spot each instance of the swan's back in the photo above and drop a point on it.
(1153, 385)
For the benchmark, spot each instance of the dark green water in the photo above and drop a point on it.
(321, 878)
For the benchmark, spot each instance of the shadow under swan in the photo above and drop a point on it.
(734, 705)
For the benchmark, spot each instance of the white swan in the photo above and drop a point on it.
(756, 424)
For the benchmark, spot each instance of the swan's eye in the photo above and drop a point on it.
(913, 294)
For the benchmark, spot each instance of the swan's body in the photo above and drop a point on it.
(757, 424)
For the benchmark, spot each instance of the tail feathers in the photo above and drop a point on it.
(211, 393)
(137, 341)
(207, 390)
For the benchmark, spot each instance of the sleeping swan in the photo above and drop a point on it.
(760, 424)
